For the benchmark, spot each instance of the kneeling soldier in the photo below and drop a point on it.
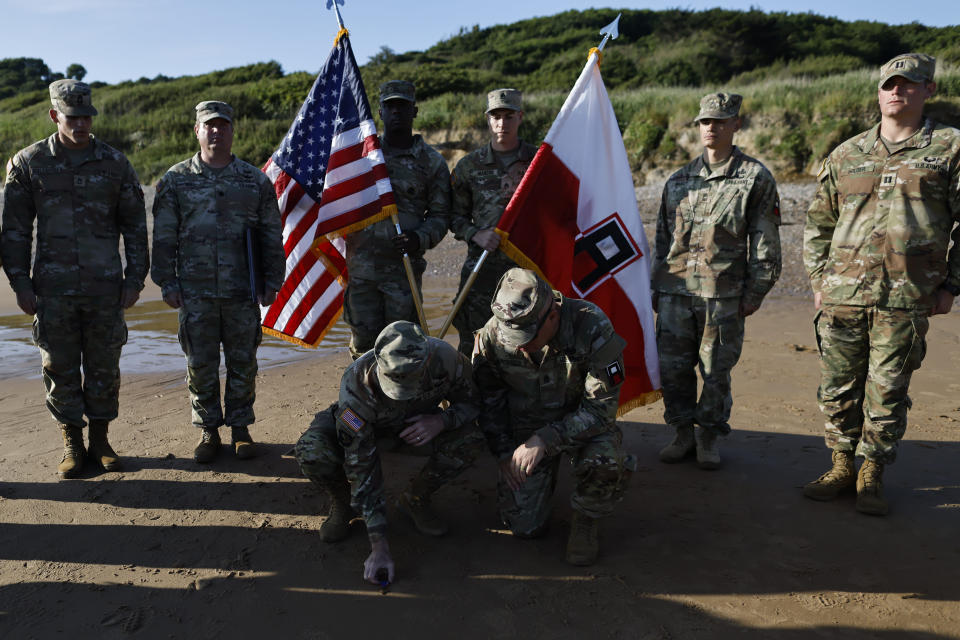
(393, 389)
(549, 370)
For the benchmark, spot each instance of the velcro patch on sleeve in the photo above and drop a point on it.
(615, 373)
(352, 420)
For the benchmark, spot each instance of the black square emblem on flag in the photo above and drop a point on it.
(615, 373)
(600, 252)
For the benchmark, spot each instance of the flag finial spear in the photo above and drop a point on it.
(336, 4)
(611, 31)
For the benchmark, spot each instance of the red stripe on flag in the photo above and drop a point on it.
(302, 228)
(548, 197)
(328, 316)
(353, 152)
(615, 302)
(357, 183)
(355, 215)
(306, 304)
(294, 278)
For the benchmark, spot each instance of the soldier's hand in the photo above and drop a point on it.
(267, 297)
(507, 471)
(487, 239)
(406, 243)
(527, 456)
(817, 301)
(27, 301)
(944, 302)
(174, 299)
(379, 558)
(422, 429)
(129, 298)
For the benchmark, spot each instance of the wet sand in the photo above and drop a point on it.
(171, 549)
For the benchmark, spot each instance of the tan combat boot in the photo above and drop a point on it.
(583, 545)
(708, 453)
(100, 449)
(841, 476)
(242, 443)
(870, 489)
(337, 525)
(209, 445)
(415, 504)
(73, 452)
(681, 446)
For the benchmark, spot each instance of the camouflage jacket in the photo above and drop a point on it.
(81, 213)
(421, 187)
(571, 397)
(879, 227)
(717, 234)
(481, 191)
(363, 410)
(199, 222)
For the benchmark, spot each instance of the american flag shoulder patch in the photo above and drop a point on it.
(352, 420)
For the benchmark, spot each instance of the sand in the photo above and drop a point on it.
(171, 549)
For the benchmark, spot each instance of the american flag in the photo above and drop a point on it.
(330, 178)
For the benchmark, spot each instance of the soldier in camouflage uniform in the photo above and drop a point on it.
(876, 248)
(483, 183)
(202, 211)
(717, 256)
(392, 390)
(84, 195)
(378, 292)
(549, 370)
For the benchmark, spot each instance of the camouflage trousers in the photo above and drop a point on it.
(205, 324)
(320, 455)
(704, 333)
(601, 470)
(371, 304)
(475, 310)
(77, 333)
(867, 355)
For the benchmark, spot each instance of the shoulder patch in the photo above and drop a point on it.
(614, 373)
(352, 420)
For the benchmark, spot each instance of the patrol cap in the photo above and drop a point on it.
(719, 106)
(71, 98)
(402, 351)
(505, 99)
(519, 304)
(398, 90)
(916, 67)
(210, 109)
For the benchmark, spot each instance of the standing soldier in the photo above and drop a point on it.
(378, 291)
(718, 255)
(84, 196)
(876, 248)
(483, 183)
(549, 370)
(205, 210)
(393, 389)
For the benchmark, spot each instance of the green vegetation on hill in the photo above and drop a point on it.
(808, 81)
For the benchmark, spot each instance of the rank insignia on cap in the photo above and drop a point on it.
(352, 420)
(615, 373)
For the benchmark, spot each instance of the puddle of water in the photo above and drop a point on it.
(152, 344)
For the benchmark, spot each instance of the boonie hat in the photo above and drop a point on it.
(72, 98)
(518, 305)
(505, 99)
(210, 109)
(916, 67)
(402, 351)
(719, 106)
(398, 90)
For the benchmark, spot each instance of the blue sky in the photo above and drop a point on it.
(126, 39)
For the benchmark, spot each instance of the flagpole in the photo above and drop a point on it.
(609, 32)
(407, 266)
